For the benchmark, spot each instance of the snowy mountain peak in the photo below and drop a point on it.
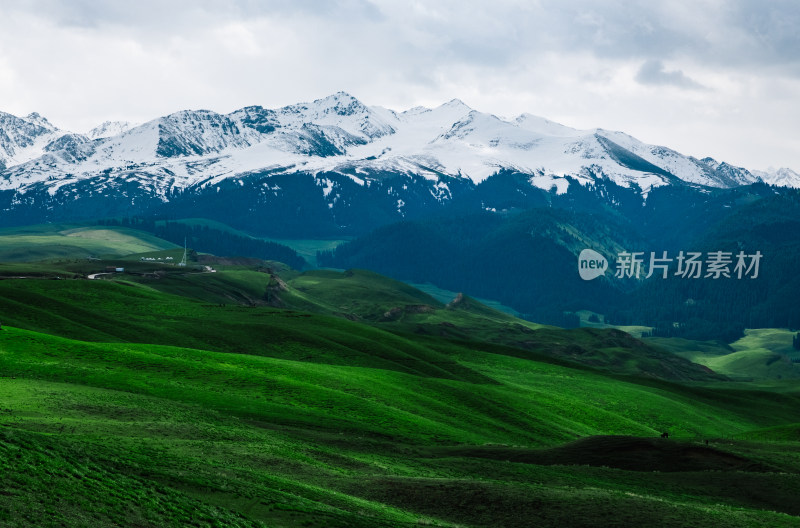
(339, 134)
(191, 116)
(340, 110)
(444, 116)
(456, 102)
(416, 111)
(37, 119)
(109, 129)
(258, 118)
(783, 177)
(23, 139)
(341, 103)
(544, 126)
(196, 133)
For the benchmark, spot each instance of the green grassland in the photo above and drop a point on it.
(762, 354)
(63, 242)
(152, 435)
(366, 297)
(778, 340)
(261, 396)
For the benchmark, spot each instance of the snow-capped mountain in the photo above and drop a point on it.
(24, 138)
(783, 177)
(109, 129)
(343, 148)
(340, 133)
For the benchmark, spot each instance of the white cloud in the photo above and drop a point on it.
(621, 64)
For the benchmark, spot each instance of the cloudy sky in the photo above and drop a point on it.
(705, 77)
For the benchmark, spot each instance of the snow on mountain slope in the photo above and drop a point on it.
(340, 110)
(340, 134)
(545, 127)
(109, 129)
(702, 172)
(24, 138)
(782, 177)
(456, 140)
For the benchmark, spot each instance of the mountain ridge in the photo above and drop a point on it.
(334, 166)
(339, 131)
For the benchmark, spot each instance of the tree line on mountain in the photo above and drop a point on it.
(527, 260)
(717, 308)
(510, 258)
(497, 242)
(210, 240)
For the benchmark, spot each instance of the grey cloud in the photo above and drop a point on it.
(767, 34)
(622, 30)
(175, 16)
(561, 58)
(731, 34)
(653, 72)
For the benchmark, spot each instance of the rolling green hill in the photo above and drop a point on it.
(130, 307)
(60, 242)
(261, 396)
(762, 354)
(157, 435)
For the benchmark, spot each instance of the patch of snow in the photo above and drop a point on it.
(783, 177)
(109, 129)
(327, 186)
(550, 181)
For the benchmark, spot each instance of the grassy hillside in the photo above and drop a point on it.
(762, 354)
(261, 396)
(59, 242)
(777, 340)
(130, 310)
(153, 435)
(395, 306)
